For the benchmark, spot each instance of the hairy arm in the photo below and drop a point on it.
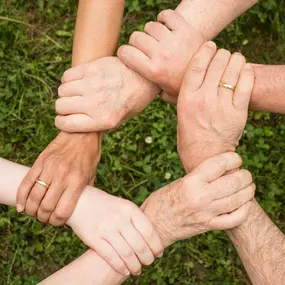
(261, 246)
(211, 17)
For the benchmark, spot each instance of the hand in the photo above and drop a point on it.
(162, 52)
(203, 200)
(117, 230)
(67, 165)
(211, 119)
(100, 96)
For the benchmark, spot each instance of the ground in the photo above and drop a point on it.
(35, 49)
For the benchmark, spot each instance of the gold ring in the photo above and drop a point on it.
(227, 86)
(42, 183)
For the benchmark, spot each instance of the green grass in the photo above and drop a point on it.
(35, 49)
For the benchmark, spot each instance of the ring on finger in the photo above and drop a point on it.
(42, 183)
(227, 86)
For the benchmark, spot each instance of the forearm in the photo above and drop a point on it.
(261, 247)
(269, 89)
(96, 35)
(89, 268)
(211, 17)
(97, 29)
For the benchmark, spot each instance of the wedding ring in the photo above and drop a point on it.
(227, 86)
(42, 183)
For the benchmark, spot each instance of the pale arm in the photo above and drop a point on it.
(87, 269)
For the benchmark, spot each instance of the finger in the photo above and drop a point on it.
(197, 68)
(78, 123)
(232, 220)
(70, 105)
(27, 185)
(145, 43)
(138, 244)
(231, 76)
(109, 254)
(74, 73)
(147, 231)
(49, 202)
(234, 201)
(216, 166)
(65, 206)
(70, 89)
(231, 183)
(135, 59)
(172, 20)
(125, 252)
(37, 193)
(157, 31)
(244, 88)
(216, 70)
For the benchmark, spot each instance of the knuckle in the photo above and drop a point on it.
(62, 214)
(197, 66)
(128, 207)
(234, 182)
(128, 254)
(47, 207)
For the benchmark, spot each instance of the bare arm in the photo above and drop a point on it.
(261, 247)
(211, 17)
(97, 29)
(87, 269)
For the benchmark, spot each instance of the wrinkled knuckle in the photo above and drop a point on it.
(235, 182)
(128, 254)
(197, 66)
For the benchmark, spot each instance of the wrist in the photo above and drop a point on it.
(191, 155)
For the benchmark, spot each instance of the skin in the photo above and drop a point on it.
(195, 15)
(69, 162)
(205, 207)
(263, 259)
(161, 54)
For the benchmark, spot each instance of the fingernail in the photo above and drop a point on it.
(19, 208)
(139, 273)
(124, 50)
(160, 255)
(127, 272)
(211, 44)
